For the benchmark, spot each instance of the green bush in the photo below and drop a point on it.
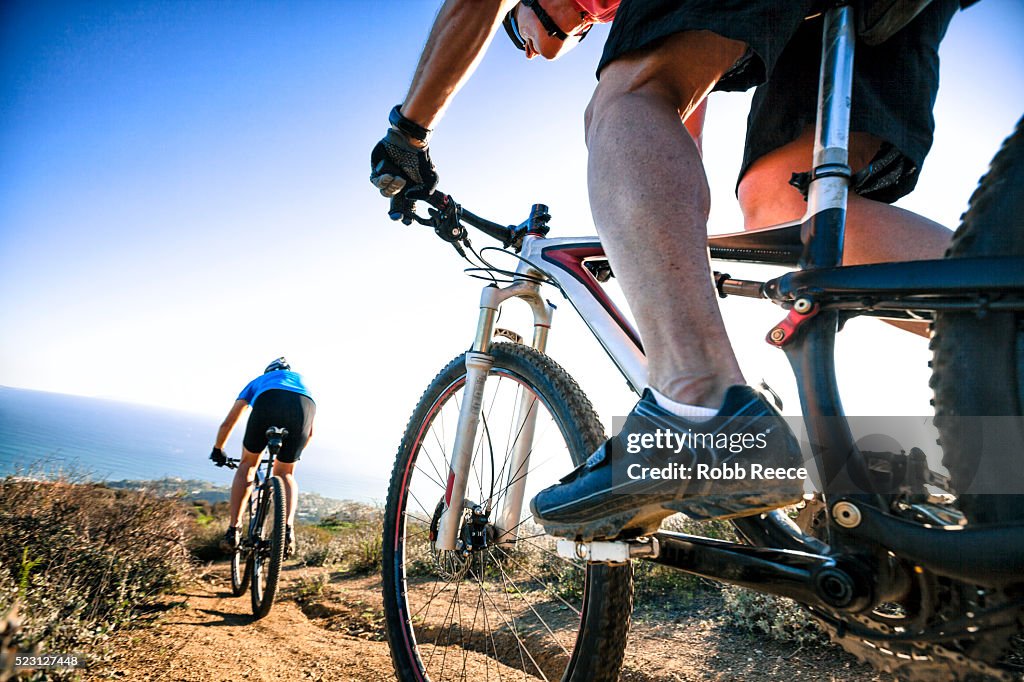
(83, 560)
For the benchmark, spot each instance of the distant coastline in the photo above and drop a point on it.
(313, 507)
(104, 440)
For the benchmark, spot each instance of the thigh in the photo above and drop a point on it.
(283, 468)
(656, 71)
(764, 192)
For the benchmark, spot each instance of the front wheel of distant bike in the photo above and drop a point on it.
(268, 554)
(497, 607)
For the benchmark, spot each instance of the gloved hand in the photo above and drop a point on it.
(399, 166)
(218, 457)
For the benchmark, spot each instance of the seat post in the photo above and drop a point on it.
(827, 195)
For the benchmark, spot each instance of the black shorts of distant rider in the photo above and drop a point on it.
(287, 409)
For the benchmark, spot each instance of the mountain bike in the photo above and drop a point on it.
(260, 552)
(917, 572)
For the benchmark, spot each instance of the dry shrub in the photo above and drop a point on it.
(779, 618)
(83, 560)
(353, 545)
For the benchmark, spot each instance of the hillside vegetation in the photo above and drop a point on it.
(80, 561)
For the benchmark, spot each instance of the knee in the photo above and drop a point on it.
(641, 76)
(676, 73)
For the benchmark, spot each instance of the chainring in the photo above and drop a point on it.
(943, 629)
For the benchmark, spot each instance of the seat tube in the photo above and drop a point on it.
(812, 354)
(478, 364)
(828, 192)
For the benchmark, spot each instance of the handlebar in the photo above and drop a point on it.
(232, 462)
(446, 217)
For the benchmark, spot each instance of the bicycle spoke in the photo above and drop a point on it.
(546, 586)
(515, 631)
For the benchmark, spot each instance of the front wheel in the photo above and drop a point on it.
(497, 609)
(268, 553)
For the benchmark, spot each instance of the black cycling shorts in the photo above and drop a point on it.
(287, 409)
(894, 89)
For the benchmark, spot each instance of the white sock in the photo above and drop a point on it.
(692, 412)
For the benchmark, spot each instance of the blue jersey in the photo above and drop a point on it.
(283, 379)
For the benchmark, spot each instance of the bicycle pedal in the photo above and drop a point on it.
(599, 552)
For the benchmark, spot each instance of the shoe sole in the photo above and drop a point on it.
(646, 520)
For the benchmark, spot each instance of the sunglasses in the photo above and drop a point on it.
(511, 25)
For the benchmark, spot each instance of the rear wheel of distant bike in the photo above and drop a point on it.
(493, 609)
(268, 554)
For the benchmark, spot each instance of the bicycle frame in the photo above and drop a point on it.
(817, 296)
(256, 509)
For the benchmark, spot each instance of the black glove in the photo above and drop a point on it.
(218, 457)
(399, 167)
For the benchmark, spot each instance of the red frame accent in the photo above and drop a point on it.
(570, 259)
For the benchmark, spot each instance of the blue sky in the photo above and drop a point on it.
(184, 196)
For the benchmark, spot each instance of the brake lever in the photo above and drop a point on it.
(445, 218)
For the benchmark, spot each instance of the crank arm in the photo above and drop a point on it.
(808, 578)
(805, 577)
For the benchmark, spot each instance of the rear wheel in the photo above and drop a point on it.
(490, 609)
(967, 630)
(268, 554)
(979, 358)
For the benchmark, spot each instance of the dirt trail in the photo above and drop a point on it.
(212, 636)
(206, 635)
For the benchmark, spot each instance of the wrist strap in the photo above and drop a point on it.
(410, 128)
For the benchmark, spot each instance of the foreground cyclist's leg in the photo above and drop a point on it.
(650, 203)
(892, 123)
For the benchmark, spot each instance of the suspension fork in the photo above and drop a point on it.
(478, 364)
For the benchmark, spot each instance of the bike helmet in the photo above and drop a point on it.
(280, 363)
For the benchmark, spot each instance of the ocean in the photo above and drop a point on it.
(108, 440)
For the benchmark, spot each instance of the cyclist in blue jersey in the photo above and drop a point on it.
(278, 397)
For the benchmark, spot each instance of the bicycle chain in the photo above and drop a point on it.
(840, 627)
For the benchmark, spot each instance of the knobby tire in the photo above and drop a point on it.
(419, 649)
(267, 561)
